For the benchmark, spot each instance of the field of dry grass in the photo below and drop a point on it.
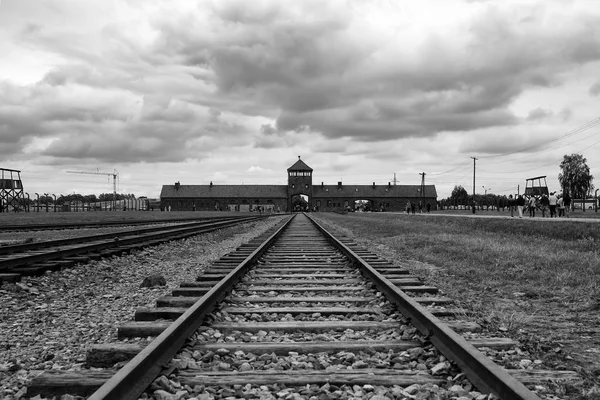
(535, 280)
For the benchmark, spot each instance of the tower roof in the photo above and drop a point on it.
(299, 166)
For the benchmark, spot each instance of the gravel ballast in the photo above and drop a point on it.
(48, 322)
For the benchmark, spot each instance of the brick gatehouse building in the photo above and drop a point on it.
(284, 198)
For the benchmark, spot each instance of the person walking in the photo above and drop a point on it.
(408, 207)
(567, 203)
(511, 205)
(552, 201)
(544, 205)
(531, 205)
(520, 205)
(561, 206)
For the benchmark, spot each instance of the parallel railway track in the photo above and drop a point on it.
(99, 224)
(37, 257)
(296, 312)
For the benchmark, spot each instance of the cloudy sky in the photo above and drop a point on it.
(234, 91)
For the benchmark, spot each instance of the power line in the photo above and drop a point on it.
(450, 170)
(582, 128)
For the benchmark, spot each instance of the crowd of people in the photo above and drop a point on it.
(412, 207)
(555, 205)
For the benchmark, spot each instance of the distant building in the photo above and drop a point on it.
(298, 194)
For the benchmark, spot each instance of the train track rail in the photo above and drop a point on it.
(100, 224)
(37, 257)
(297, 312)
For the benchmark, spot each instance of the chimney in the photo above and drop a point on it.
(339, 185)
(373, 185)
(210, 183)
(177, 184)
(321, 185)
(389, 185)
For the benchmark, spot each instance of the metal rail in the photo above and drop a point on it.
(22, 247)
(103, 242)
(102, 224)
(131, 380)
(481, 371)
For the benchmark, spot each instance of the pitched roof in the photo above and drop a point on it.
(353, 191)
(299, 166)
(224, 191)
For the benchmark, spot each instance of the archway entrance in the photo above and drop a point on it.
(300, 203)
(363, 205)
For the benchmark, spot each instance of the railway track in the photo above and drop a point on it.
(99, 224)
(35, 258)
(298, 313)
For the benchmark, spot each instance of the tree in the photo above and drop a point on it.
(575, 176)
(459, 194)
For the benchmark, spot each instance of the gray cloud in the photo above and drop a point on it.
(538, 113)
(595, 89)
(308, 67)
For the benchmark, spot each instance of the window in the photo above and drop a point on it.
(306, 186)
(269, 201)
(256, 201)
(328, 203)
(318, 203)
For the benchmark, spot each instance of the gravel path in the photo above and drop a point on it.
(48, 322)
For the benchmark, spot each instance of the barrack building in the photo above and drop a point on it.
(285, 198)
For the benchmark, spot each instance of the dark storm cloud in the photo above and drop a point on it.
(320, 79)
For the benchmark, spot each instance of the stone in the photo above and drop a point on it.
(440, 368)
(457, 390)
(415, 352)
(154, 280)
(163, 395)
(412, 389)
(525, 363)
(162, 383)
(245, 367)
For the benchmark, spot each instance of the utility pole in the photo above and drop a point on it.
(422, 188)
(474, 159)
(395, 179)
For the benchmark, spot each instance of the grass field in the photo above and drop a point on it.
(535, 280)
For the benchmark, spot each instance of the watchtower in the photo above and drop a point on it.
(299, 181)
(534, 187)
(12, 196)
